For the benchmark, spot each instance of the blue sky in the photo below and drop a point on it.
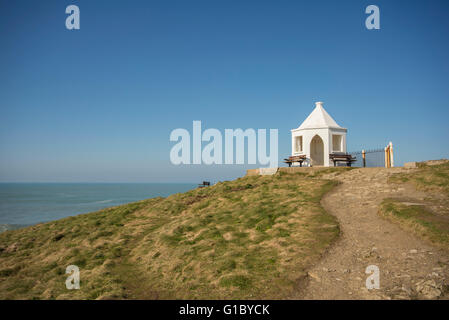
(98, 104)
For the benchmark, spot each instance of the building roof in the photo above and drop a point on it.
(319, 118)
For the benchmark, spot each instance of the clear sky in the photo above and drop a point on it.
(98, 104)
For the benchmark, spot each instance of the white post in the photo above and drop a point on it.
(391, 154)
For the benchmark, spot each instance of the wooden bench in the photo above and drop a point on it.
(342, 157)
(293, 159)
(205, 184)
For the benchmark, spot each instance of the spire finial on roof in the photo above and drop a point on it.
(319, 104)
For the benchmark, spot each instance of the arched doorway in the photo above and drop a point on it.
(317, 151)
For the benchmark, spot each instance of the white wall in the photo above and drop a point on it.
(325, 134)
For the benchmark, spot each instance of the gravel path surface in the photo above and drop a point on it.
(409, 267)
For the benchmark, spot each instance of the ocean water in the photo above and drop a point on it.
(23, 204)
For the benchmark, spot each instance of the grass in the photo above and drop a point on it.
(250, 238)
(429, 217)
(419, 220)
(430, 178)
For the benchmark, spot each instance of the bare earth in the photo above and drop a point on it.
(409, 267)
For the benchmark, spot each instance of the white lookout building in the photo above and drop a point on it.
(318, 137)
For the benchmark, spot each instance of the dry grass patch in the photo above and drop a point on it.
(253, 237)
(429, 178)
(428, 217)
(419, 220)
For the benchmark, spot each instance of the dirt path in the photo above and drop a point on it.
(409, 267)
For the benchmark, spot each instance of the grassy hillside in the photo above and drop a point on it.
(427, 217)
(249, 238)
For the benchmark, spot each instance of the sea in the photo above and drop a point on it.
(25, 204)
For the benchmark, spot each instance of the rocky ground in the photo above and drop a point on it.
(409, 267)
